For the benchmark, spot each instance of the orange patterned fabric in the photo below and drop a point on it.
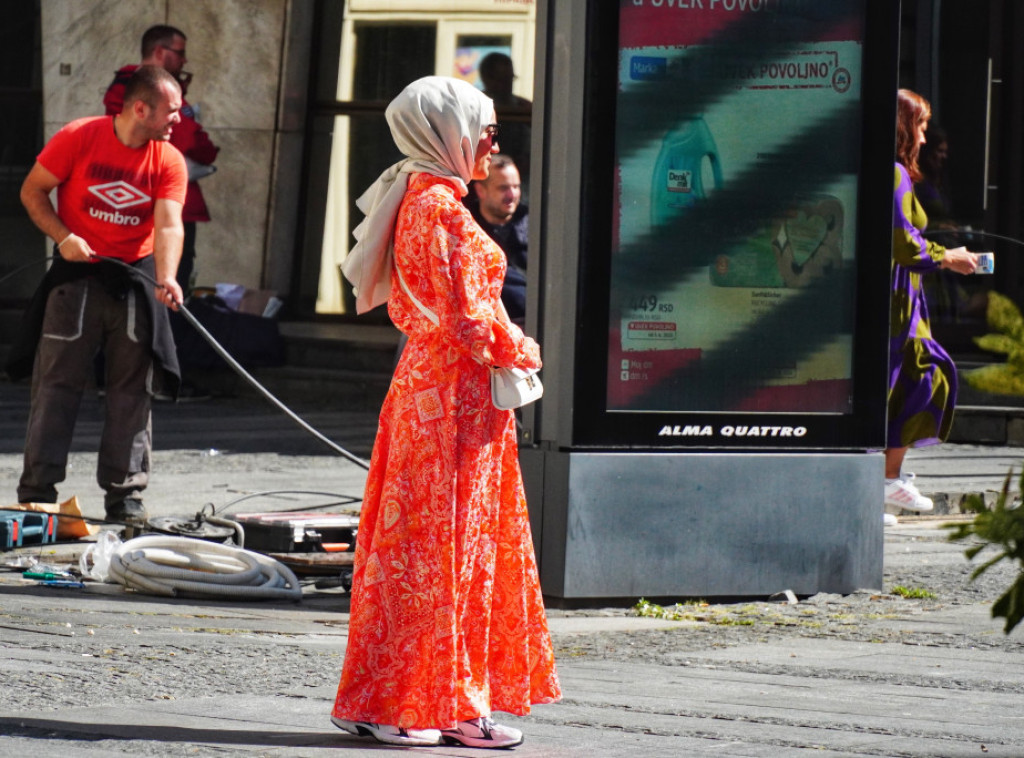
(447, 621)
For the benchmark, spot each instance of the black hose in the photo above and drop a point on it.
(24, 266)
(240, 370)
(219, 349)
(341, 500)
(972, 232)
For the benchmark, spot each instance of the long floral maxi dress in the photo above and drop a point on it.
(447, 620)
(922, 376)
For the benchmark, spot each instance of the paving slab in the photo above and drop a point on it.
(105, 672)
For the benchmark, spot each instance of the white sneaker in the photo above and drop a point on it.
(903, 494)
(390, 735)
(482, 732)
(889, 519)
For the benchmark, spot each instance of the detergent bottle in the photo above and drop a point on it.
(687, 170)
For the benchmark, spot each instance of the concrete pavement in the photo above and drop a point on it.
(102, 672)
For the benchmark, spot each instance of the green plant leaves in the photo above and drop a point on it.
(1006, 378)
(997, 343)
(1002, 527)
(1001, 379)
(1005, 317)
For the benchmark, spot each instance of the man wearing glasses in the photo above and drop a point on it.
(164, 46)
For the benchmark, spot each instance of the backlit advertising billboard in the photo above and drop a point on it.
(738, 206)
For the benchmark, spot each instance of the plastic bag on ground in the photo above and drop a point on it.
(95, 561)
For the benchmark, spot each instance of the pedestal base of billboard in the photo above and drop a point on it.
(620, 526)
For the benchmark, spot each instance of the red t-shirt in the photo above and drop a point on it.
(108, 191)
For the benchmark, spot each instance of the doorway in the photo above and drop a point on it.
(21, 134)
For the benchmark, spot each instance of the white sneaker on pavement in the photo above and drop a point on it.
(390, 735)
(902, 493)
(889, 519)
(482, 732)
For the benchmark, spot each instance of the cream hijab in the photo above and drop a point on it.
(437, 122)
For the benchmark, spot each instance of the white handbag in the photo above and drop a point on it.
(514, 387)
(510, 387)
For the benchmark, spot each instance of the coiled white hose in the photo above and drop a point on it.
(164, 565)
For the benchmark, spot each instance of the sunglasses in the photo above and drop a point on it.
(491, 130)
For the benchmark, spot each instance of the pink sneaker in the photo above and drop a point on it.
(482, 732)
(390, 735)
(902, 494)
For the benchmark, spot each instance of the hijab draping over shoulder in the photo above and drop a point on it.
(437, 123)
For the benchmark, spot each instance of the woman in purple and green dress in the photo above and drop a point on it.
(922, 376)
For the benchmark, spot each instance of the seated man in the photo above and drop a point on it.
(495, 205)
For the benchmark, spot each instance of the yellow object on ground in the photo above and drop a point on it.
(72, 528)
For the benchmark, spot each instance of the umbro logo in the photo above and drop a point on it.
(119, 194)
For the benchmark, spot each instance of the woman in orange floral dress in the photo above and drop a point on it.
(447, 620)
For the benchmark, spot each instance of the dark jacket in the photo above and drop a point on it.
(115, 279)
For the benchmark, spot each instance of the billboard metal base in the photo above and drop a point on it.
(703, 525)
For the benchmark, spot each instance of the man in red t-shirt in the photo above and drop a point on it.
(120, 191)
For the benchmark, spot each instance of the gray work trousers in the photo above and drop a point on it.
(82, 317)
